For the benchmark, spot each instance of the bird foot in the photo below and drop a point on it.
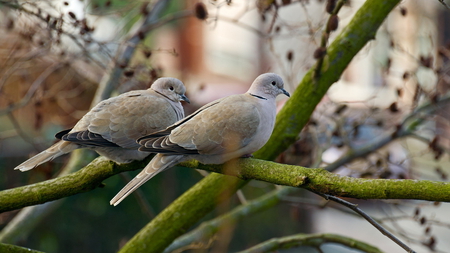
(247, 156)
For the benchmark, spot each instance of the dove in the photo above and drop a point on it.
(112, 127)
(227, 128)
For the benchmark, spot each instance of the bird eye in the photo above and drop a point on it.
(171, 88)
(274, 83)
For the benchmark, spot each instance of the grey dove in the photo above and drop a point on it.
(112, 127)
(224, 129)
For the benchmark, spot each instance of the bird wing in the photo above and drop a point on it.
(224, 126)
(120, 121)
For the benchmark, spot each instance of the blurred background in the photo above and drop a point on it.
(56, 56)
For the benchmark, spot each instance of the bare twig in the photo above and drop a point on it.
(369, 219)
(406, 128)
(33, 88)
(325, 37)
(141, 199)
(110, 80)
(444, 4)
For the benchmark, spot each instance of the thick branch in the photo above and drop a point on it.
(209, 228)
(315, 180)
(324, 182)
(86, 179)
(8, 248)
(290, 120)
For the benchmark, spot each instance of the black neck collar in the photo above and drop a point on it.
(256, 96)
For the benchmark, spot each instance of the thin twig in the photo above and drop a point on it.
(406, 128)
(444, 4)
(369, 219)
(139, 194)
(326, 36)
(33, 88)
(110, 80)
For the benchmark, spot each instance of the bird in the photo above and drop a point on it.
(112, 127)
(227, 128)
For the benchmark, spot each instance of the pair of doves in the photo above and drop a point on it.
(132, 125)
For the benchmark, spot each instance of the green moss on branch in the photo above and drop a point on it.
(312, 240)
(322, 181)
(86, 179)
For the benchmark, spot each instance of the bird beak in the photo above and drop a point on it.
(285, 92)
(184, 98)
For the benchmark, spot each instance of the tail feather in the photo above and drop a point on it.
(58, 149)
(158, 164)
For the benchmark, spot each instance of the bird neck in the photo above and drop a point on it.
(257, 96)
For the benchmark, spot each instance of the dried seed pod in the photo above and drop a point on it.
(147, 53)
(426, 61)
(141, 35)
(406, 75)
(72, 15)
(331, 4)
(144, 9)
(394, 108)
(403, 11)
(340, 109)
(200, 11)
(423, 220)
(290, 55)
(320, 52)
(333, 23)
(128, 73)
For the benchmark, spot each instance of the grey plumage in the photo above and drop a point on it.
(112, 127)
(224, 129)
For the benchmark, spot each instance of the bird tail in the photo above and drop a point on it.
(58, 149)
(158, 164)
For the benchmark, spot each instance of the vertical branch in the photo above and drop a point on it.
(110, 80)
(169, 224)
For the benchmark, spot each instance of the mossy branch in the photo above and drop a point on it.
(315, 180)
(208, 229)
(297, 110)
(312, 240)
(290, 120)
(8, 248)
(86, 179)
(324, 182)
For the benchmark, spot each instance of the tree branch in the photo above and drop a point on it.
(8, 248)
(324, 182)
(209, 228)
(290, 120)
(374, 223)
(315, 180)
(86, 179)
(313, 240)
